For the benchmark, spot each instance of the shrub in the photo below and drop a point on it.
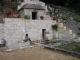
(54, 18)
(26, 16)
(78, 19)
(55, 27)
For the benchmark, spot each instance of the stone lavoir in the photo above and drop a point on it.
(35, 27)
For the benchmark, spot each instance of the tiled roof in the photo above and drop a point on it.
(32, 6)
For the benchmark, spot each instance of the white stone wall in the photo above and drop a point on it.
(34, 29)
(16, 29)
(39, 13)
(1, 31)
(43, 13)
(21, 13)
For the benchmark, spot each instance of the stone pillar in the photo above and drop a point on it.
(70, 31)
(57, 36)
(61, 24)
(74, 35)
(78, 38)
(64, 28)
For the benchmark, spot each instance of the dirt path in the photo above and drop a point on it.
(34, 53)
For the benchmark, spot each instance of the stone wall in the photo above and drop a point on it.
(1, 30)
(21, 13)
(39, 13)
(15, 29)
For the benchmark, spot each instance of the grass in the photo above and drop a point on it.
(74, 46)
(52, 42)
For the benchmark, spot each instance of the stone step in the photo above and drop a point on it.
(65, 32)
(18, 45)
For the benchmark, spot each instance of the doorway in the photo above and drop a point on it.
(43, 33)
(34, 15)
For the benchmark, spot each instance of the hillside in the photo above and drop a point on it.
(73, 4)
(67, 16)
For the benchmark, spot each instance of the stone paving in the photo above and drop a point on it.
(18, 45)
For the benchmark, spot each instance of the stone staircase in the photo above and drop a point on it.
(64, 33)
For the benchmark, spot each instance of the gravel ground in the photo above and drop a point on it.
(34, 53)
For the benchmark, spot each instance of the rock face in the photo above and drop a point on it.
(67, 16)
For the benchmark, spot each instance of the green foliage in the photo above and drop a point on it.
(66, 17)
(6, 4)
(75, 46)
(1, 9)
(55, 27)
(26, 16)
(52, 42)
(78, 19)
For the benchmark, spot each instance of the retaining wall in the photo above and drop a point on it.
(15, 29)
(1, 30)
